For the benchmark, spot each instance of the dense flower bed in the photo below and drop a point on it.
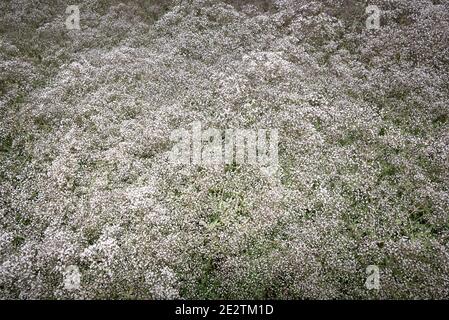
(86, 117)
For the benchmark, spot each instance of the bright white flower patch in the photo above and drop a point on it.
(361, 179)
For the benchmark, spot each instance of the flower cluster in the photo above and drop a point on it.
(86, 178)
